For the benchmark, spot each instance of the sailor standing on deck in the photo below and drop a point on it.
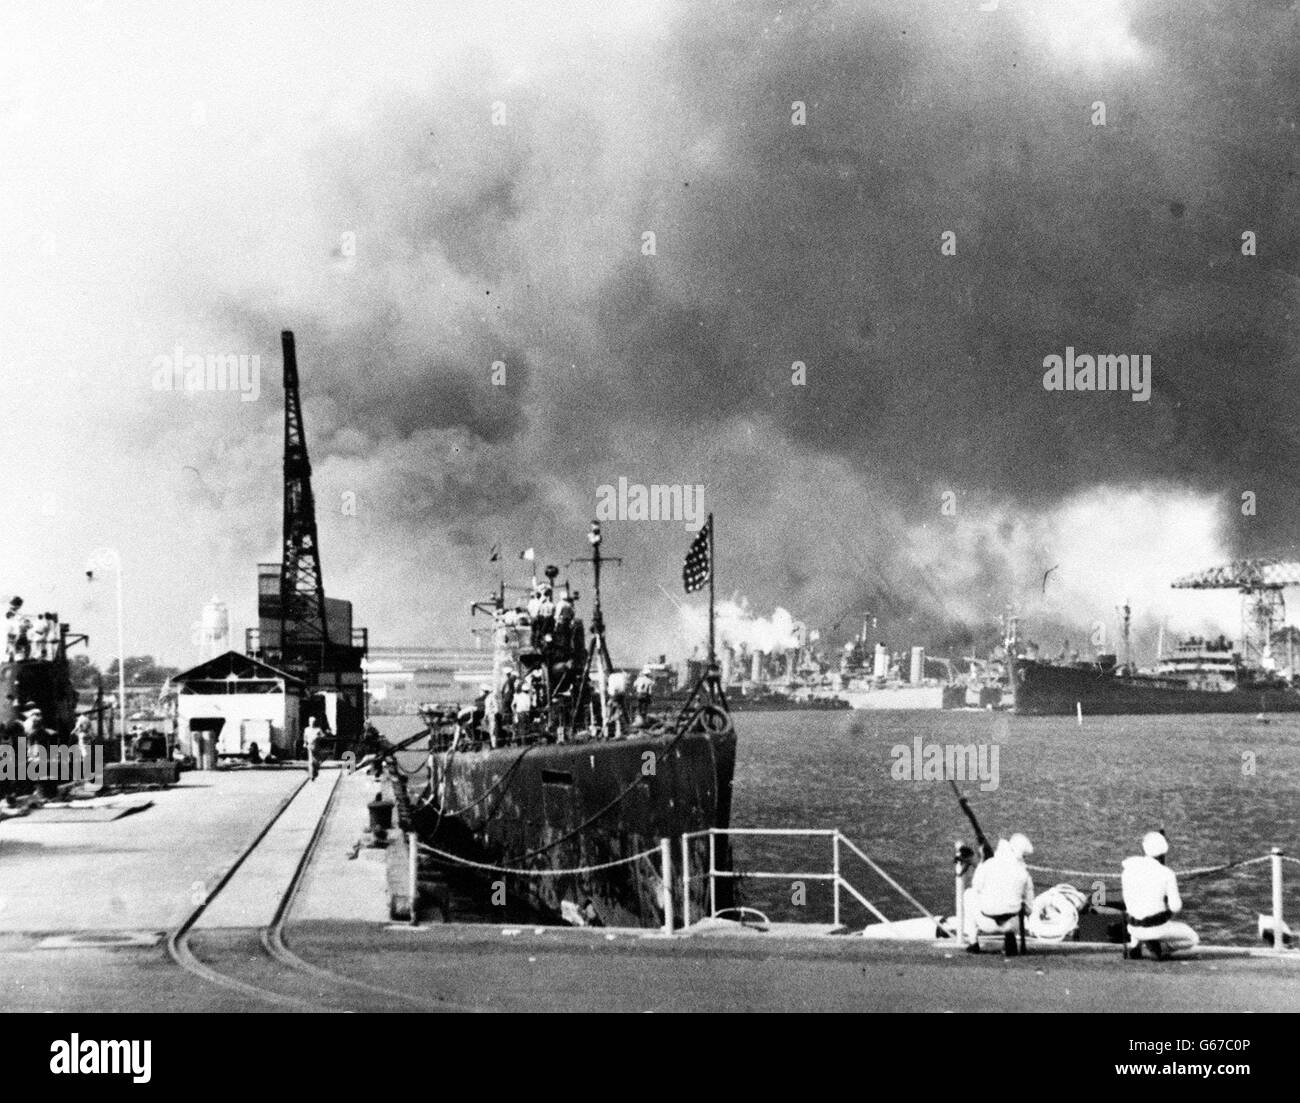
(1001, 892)
(1151, 901)
(644, 688)
(14, 621)
(84, 735)
(314, 738)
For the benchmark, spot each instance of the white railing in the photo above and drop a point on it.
(839, 883)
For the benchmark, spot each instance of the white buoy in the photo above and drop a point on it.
(1078, 712)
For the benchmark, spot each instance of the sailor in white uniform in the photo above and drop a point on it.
(644, 688)
(616, 688)
(1001, 891)
(1151, 901)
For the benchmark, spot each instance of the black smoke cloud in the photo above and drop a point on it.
(776, 243)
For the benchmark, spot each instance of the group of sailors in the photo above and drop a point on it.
(29, 637)
(556, 632)
(521, 703)
(28, 724)
(1001, 895)
(548, 654)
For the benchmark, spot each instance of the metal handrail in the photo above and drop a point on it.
(888, 879)
(835, 877)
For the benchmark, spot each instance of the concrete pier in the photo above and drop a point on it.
(86, 906)
(145, 871)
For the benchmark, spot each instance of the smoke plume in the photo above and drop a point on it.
(355, 188)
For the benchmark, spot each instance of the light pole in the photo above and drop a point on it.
(100, 560)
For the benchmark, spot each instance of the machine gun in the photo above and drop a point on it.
(980, 837)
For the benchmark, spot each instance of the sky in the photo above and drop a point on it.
(423, 190)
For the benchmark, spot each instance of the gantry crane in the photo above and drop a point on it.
(1260, 583)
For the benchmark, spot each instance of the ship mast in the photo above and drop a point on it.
(598, 654)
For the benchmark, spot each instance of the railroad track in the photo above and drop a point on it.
(331, 987)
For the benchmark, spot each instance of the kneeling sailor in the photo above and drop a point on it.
(1151, 901)
(1001, 892)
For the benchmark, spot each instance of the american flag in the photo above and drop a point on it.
(695, 571)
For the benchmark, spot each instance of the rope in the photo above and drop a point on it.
(1202, 872)
(539, 872)
(491, 789)
(597, 815)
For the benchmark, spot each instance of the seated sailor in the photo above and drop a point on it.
(1151, 901)
(1001, 892)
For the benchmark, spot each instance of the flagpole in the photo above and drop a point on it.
(712, 662)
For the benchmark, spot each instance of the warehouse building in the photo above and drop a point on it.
(229, 703)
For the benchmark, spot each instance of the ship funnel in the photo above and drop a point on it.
(917, 673)
(881, 667)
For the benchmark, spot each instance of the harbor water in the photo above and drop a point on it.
(1224, 788)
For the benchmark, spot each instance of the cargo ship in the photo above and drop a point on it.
(558, 774)
(1198, 676)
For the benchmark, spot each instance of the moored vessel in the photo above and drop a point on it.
(1199, 676)
(557, 785)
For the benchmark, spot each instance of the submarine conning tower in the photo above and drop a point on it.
(35, 669)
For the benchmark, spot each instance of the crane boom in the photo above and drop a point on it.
(1246, 575)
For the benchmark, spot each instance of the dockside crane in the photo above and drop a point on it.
(300, 629)
(1260, 583)
(304, 627)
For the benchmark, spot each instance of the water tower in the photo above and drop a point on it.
(214, 629)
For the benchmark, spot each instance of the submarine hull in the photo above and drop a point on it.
(558, 807)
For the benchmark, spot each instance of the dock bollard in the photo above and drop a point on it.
(381, 818)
